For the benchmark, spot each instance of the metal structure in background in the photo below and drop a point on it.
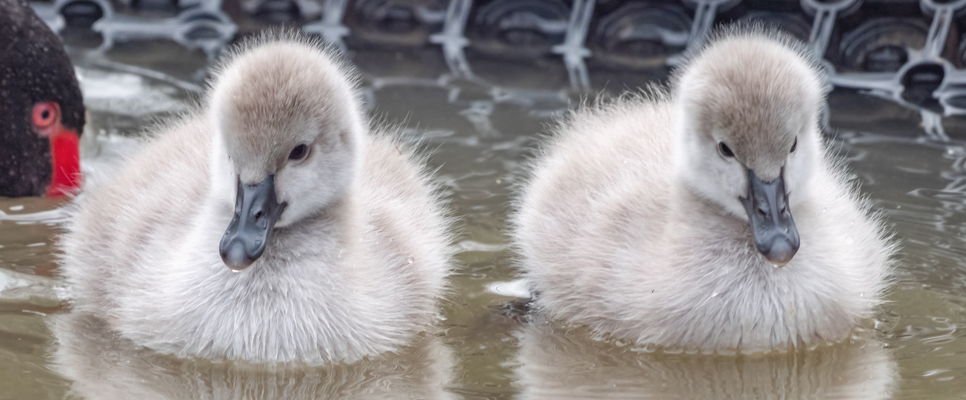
(908, 51)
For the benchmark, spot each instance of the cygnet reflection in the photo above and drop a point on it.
(556, 362)
(104, 365)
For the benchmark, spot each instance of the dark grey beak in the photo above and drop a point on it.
(771, 221)
(256, 212)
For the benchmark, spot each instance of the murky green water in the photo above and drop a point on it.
(480, 135)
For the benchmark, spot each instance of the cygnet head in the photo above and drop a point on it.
(749, 136)
(288, 138)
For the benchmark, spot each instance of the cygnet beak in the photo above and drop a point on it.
(771, 221)
(256, 211)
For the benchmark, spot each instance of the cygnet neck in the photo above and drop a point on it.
(332, 232)
(688, 205)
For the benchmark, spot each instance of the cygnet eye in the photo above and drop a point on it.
(298, 152)
(794, 145)
(725, 150)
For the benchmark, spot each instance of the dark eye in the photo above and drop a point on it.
(794, 145)
(298, 152)
(725, 150)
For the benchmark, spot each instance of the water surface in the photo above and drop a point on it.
(480, 133)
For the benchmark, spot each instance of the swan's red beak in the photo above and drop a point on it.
(64, 149)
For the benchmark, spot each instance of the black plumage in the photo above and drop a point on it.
(33, 68)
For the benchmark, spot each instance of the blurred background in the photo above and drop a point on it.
(910, 51)
(476, 83)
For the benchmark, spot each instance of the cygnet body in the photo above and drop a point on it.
(337, 245)
(710, 218)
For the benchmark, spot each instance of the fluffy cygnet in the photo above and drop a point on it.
(269, 225)
(711, 218)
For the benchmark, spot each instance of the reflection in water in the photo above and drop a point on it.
(104, 365)
(556, 362)
(919, 183)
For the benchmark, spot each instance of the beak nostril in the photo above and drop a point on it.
(259, 215)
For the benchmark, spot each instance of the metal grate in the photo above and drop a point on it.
(907, 51)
